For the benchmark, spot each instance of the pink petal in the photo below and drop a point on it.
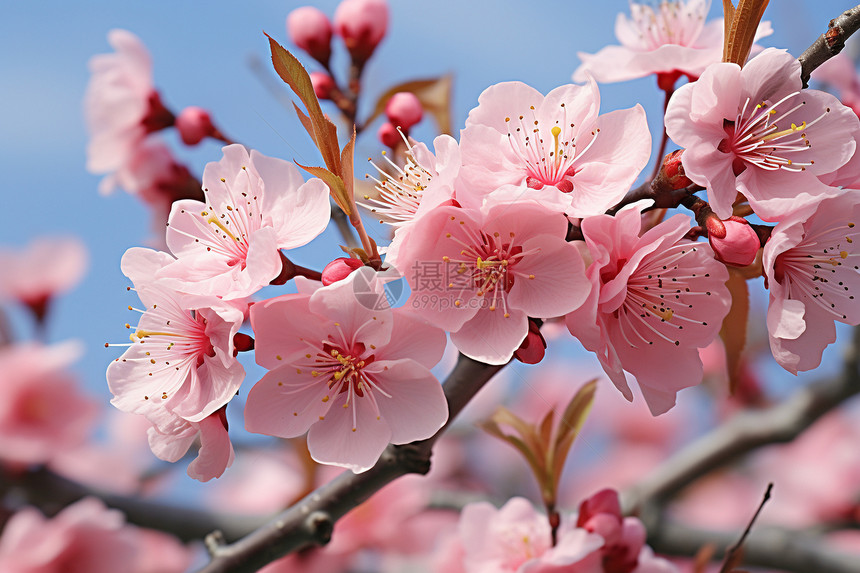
(490, 337)
(285, 403)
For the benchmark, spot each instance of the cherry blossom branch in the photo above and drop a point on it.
(747, 431)
(310, 521)
(771, 548)
(830, 43)
(734, 555)
(51, 492)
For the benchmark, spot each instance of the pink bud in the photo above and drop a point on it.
(323, 84)
(673, 170)
(310, 30)
(362, 25)
(194, 124)
(533, 348)
(339, 269)
(604, 501)
(740, 244)
(388, 135)
(404, 110)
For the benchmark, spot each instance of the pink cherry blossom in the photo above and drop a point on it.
(811, 264)
(426, 181)
(47, 267)
(86, 536)
(840, 73)
(754, 131)
(656, 300)
(740, 244)
(181, 355)
(553, 149)
(516, 539)
(170, 437)
(121, 105)
(351, 372)
(43, 412)
(255, 205)
(481, 274)
(669, 39)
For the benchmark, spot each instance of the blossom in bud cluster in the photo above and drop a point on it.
(739, 244)
(339, 269)
(310, 30)
(404, 110)
(86, 536)
(655, 300)
(811, 263)
(33, 276)
(669, 38)
(362, 25)
(554, 149)
(255, 205)
(347, 369)
(323, 84)
(121, 104)
(194, 124)
(44, 413)
(180, 358)
(500, 266)
(755, 131)
(517, 539)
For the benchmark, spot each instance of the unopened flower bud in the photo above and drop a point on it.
(404, 110)
(671, 174)
(194, 124)
(388, 135)
(362, 25)
(604, 501)
(739, 245)
(533, 348)
(339, 269)
(310, 30)
(323, 84)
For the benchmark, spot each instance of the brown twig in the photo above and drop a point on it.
(733, 555)
(310, 521)
(830, 43)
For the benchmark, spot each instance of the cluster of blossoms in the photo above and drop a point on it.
(528, 217)
(521, 221)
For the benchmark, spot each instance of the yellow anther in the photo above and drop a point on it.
(213, 220)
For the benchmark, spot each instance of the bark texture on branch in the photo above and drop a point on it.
(829, 43)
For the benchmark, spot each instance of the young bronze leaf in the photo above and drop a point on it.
(324, 135)
(306, 123)
(348, 167)
(536, 465)
(527, 431)
(335, 185)
(570, 424)
(434, 95)
(734, 329)
(728, 18)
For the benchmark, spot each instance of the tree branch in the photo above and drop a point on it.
(310, 521)
(773, 548)
(830, 43)
(746, 432)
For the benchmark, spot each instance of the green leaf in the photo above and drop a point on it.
(335, 185)
(434, 95)
(569, 426)
(324, 133)
(734, 329)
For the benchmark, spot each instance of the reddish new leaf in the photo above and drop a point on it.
(569, 426)
(335, 185)
(324, 133)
